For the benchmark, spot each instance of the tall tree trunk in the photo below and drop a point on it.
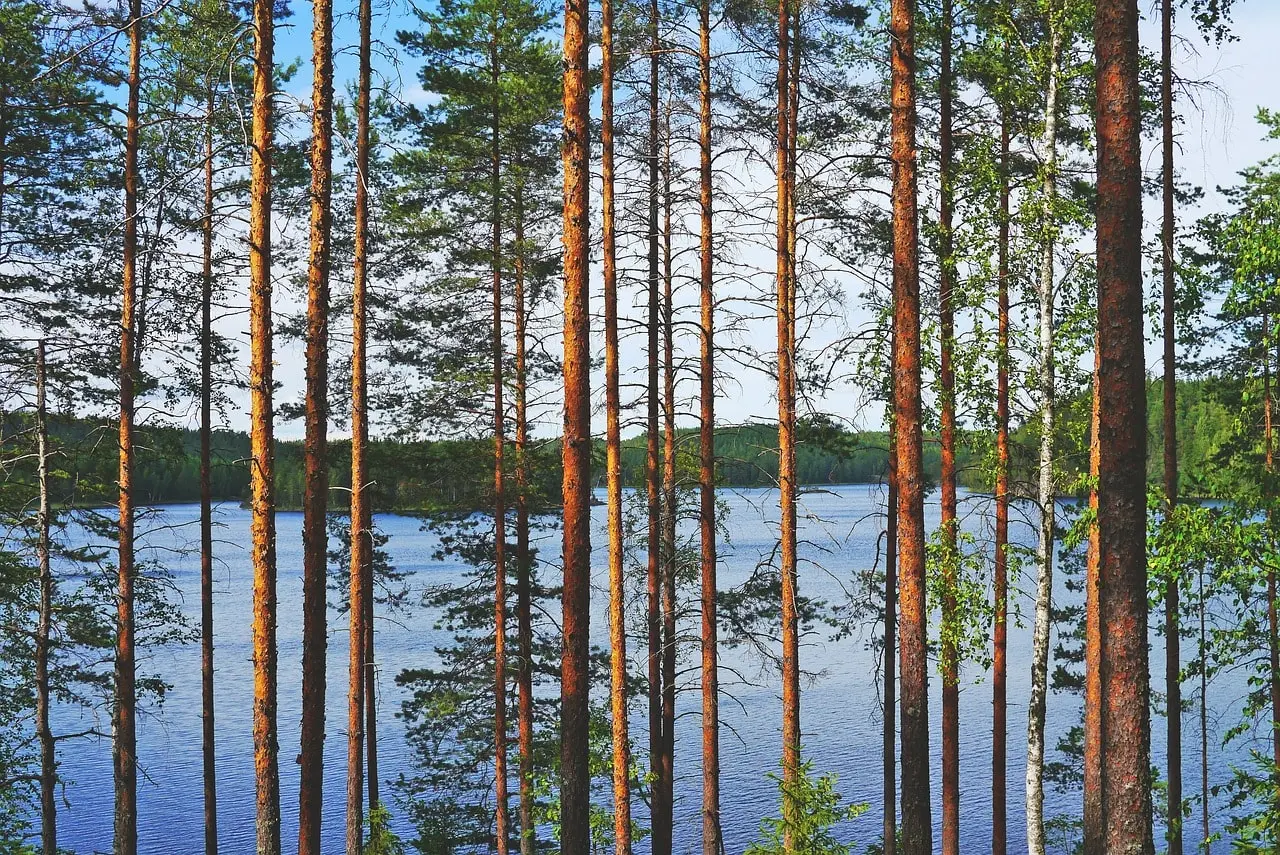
(948, 647)
(889, 832)
(502, 818)
(207, 735)
(660, 813)
(44, 520)
(712, 836)
(613, 457)
(524, 625)
(670, 507)
(261, 440)
(1120, 714)
(1000, 582)
(786, 438)
(917, 824)
(1172, 639)
(125, 746)
(360, 702)
(315, 556)
(575, 683)
(1046, 494)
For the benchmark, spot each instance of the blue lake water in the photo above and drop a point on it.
(840, 708)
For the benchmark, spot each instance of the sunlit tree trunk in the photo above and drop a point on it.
(575, 776)
(125, 745)
(1119, 716)
(315, 449)
(524, 625)
(361, 571)
(712, 837)
(261, 440)
(786, 437)
(1172, 639)
(1047, 493)
(613, 457)
(207, 736)
(1000, 581)
(1273, 612)
(948, 647)
(1204, 716)
(44, 518)
(917, 824)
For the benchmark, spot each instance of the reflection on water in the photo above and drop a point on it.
(840, 709)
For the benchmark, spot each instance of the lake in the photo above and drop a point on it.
(840, 709)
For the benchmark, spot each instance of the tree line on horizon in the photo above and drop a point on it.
(465, 263)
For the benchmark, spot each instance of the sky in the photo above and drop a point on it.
(1218, 136)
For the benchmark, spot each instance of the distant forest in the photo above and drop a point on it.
(455, 473)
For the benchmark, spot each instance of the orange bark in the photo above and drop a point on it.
(575, 783)
(261, 440)
(125, 745)
(1120, 712)
(359, 671)
(917, 824)
(315, 551)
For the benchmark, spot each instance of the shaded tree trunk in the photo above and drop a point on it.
(890, 790)
(361, 571)
(1172, 639)
(670, 505)
(660, 812)
(502, 819)
(207, 731)
(575, 784)
(524, 621)
(1120, 715)
(315, 542)
(712, 836)
(44, 520)
(948, 652)
(1047, 493)
(124, 752)
(917, 824)
(1000, 573)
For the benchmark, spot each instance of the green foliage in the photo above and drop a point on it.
(820, 811)
(379, 838)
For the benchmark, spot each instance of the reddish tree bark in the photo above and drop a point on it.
(712, 836)
(1119, 715)
(613, 457)
(315, 550)
(786, 436)
(125, 745)
(917, 824)
(575, 785)
(360, 706)
(524, 624)
(261, 439)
